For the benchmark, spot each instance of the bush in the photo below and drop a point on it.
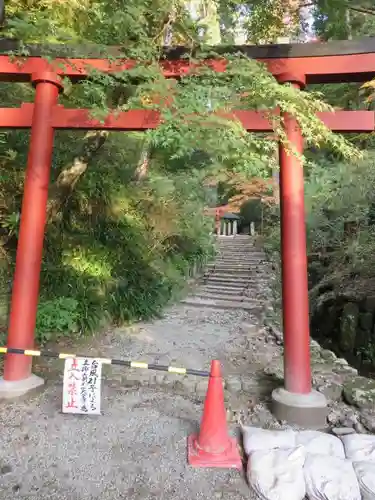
(119, 250)
(60, 315)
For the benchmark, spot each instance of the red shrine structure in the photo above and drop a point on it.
(297, 64)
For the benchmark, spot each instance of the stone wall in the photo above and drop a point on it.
(351, 397)
(347, 326)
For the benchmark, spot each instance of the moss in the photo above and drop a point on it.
(360, 391)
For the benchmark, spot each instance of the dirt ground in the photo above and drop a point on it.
(137, 448)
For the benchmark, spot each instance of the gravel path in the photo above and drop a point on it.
(137, 449)
(186, 336)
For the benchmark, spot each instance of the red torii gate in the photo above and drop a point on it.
(298, 64)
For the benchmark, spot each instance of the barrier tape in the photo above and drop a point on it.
(107, 361)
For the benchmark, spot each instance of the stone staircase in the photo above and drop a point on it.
(237, 279)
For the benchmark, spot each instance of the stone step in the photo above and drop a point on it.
(249, 275)
(233, 283)
(240, 255)
(217, 290)
(236, 239)
(220, 291)
(238, 263)
(243, 261)
(239, 244)
(248, 257)
(240, 249)
(227, 278)
(243, 244)
(224, 296)
(238, 272)
(222, 304)
(213, 287)
(230, 270)
(239, 268)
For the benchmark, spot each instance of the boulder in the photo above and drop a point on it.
(348, 326)
(366, 321)
(360, 392)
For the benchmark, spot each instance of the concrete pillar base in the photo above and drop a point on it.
(306, 410)
(10, 390)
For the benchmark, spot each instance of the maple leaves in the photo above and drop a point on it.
(245, 190)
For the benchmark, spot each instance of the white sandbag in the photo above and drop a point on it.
(320, 443)
(365, 472)
(359, 447)
(255, 439)
(330, 478)
(277, 474)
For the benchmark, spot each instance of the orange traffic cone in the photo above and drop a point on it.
(213, 447)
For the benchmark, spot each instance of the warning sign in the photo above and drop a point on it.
(82, 386)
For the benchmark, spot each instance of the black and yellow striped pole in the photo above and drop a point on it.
(106, 361)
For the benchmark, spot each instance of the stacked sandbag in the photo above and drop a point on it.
(289, 465)
(360, 449)
(275, 465)
(330, 478)
(328, 474)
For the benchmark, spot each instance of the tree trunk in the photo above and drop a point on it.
(70, 175)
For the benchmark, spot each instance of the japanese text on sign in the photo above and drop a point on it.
(82, 386)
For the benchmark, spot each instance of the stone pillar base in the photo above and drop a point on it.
(305, 410)
(18, 388)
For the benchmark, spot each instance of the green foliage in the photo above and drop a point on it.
(58, 316)
(119, 251)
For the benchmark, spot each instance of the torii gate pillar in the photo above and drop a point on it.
(18, 378)
(296, 402)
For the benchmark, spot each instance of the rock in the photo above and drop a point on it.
(233, 384)
(276, 371)
(348, 326)
(360, 392)
(366, 321)
(262, 418)
(345, 371)
(328, 355)
(189, 384)
(369, 304)
(360, 429)
(248, 384)
(343, 431)
(331, 390)
(350, 369)
(367, 419)
(157, 378)
(172, 380)
(249, 328)
(135, 377)
(341, 361)
(334, 417)
(201, 387)
(314, 343)
(362, 338)
(342, 415)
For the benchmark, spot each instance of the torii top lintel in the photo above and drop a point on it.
(331, 62)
